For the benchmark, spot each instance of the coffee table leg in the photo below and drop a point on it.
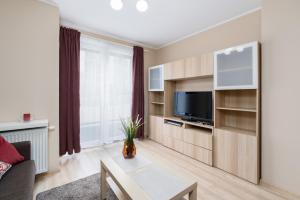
(103, 184)
(193, 194)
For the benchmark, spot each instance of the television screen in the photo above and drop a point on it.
(195, 106)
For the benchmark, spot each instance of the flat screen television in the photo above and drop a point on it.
(193, 106)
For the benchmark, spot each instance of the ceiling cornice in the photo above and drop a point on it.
(105, 34)
(210, 27)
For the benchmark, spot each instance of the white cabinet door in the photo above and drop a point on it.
(236, 67)
(156, 78)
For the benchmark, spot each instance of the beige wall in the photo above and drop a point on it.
(241, 30)
(29, 64)
(281, 94)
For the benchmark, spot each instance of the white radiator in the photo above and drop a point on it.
(34, 131)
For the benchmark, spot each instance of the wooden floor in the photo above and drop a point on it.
(213, 184)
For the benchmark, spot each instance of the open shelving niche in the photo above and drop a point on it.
(156, 103)
(237, 111)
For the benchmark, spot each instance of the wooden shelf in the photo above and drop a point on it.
(157, 103)
(199, 125)
(237, 109)
(237, 130)
(191, 78)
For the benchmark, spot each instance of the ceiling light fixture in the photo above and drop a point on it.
(116, 4)
(142, 5)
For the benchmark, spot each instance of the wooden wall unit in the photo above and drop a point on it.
(233, 144)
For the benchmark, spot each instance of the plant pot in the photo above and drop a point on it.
(129, 150)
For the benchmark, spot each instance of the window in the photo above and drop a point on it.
(105, 90)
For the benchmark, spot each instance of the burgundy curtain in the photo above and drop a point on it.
(138, 87)
(69, 69)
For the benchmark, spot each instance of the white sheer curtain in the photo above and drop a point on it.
(105, 90)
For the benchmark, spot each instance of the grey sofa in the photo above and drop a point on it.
(17, 183)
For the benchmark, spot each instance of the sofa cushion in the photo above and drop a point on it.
(8, 152)
(4, 167)
(17, 183)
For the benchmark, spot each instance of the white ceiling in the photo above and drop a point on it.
(166, 21)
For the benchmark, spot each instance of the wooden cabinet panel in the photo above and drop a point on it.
(198, 153)
(198, 137)
(207, 64)
(167, 139)
(152, 124)
(174, 70)
(192, 67)
(178, 145)
(156, 128)
(225, 151)
(236, 153)
(199, 66)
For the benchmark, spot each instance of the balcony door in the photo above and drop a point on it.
(105, 91)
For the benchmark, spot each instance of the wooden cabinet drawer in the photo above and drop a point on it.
(236, 153)
(199, 137)
(198, 153)
(173, 131)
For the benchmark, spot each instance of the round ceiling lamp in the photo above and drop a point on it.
(116, 4)
(142, 5)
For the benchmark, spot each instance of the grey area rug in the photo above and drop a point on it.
(87, 188)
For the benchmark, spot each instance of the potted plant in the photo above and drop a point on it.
(130, 129)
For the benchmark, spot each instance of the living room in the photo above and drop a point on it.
(149, 99)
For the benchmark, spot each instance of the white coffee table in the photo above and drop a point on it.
(142, 179)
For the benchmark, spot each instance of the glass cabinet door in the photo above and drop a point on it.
(236, 67)
(156, 78)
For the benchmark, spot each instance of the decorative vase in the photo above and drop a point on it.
(129, 150)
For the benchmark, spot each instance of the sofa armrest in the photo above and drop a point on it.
(24, 148)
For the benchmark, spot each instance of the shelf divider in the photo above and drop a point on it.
(236, 109)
